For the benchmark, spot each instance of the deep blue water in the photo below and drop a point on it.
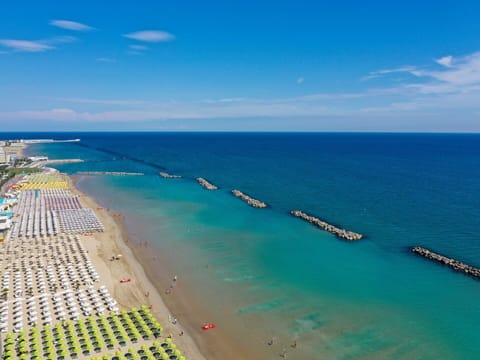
(370, 299)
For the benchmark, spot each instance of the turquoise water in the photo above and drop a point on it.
(270, 274)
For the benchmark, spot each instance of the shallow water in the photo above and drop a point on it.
(270, 274)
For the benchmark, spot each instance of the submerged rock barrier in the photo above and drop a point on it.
(249, 200)
(341, 233)
(207, 185)
(452, 263)
(117, 173)
(169, 176)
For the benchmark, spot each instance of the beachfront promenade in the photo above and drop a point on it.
(54, 304)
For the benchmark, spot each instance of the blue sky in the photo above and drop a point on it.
(240, 65)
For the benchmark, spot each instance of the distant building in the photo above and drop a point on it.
(4, 157)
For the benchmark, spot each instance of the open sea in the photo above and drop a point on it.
(259, 273)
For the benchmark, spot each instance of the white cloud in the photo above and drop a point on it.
(35, 45)
(401, 104)
(458, 71)
(445, 61)
(128, 110)
(26, 45)
(152, 36)
(435, 91)
(458, 75)
(101, 101)
(71, 25)
(379, 73)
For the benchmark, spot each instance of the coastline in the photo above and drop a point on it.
(115, 240)
(152, 278)
(162, 241)
(154, 275)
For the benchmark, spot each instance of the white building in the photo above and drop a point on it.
(5, 222)
(4, 157)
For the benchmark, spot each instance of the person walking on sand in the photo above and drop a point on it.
(271, 341)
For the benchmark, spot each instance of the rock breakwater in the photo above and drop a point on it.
(207, 185)
(452, 263)
(341, 233)
(169, 176)
(249, 200)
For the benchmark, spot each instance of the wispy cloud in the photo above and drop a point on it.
(71, 25)
(35, 45)
(152, 36)
(383, 72)
(300, 80)
(26, 45)
(455, 75)
(101, 101)
(376, 106)
(128, 110)
(449, 85)
(135, 49)
(456, 70)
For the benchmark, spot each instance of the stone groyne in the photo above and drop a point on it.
(169, 176)
(249, 200)
(454, 264)
(117, 173)
(341, 233)
(207, 185)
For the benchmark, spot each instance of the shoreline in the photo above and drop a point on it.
(156, 272)
(116, 240)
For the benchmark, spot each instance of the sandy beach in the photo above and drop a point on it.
(113, 242)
